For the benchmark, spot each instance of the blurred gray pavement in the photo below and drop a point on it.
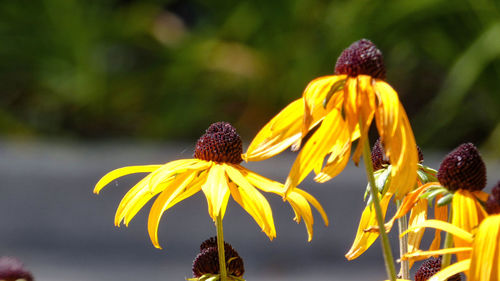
(61, 231)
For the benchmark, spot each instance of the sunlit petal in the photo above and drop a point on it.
(440, 213)
(315, 149)
(364, 239)
(421, 255)
(277, 135)
(485, 258)
(448, 227)
(252, 201)
(162, 203)
(215, 189)
(106, 179)
(418, 215)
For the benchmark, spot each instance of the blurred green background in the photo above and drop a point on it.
(166, 69)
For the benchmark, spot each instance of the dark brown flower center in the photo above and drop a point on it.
(12, 269)
(379, 159)
(220, 143)
(362, 57)
(207, 261)
(430, 267)
(493, 203)
(463, 168)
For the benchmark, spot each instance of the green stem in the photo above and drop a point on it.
(403, 244)
(448, 243)
(220, 249)
(386, 246)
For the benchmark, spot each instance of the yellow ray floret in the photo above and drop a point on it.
(180, 179)
(483, 261)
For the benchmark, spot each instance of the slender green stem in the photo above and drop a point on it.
(386, 246)
(403, 245)
(448, 243)
(220, 249)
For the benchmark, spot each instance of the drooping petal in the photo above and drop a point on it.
(315, 203)
(106, 179)
(215, 189)
(162, 203)
(451, 270)
(418, 215)
(338, 159)
(366, 109)
(302, 209)
(440, 213)
(467, 214)
(251, 200)
(278, 134)
(365, 239)
(317, 95)
(143, 191)
(444, 226)
(399, 142)
(316, 148)
(485, 258)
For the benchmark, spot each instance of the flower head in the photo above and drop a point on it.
(362, 57)
(430, 267)
(12, 269)
(215, 171)
(341, 108)
(207, 261)
(463, 168)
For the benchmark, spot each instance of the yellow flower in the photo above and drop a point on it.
(482, 247)
(215, 171)
(462, 172)
(332, 109)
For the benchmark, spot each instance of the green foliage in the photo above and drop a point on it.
(166, 69)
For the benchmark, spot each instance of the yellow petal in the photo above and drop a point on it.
(176, 167)
(418, 215)
(399, 142)
(252, 201)
(448, 227)
(261, 182)
(440, 213)
(162, 203)
(278, 134)
(106, 179)
(316, 148)
(467, 213)
(315, 203)
(451, 270)
(318, 91)
(421, 255)
(351, 104)
(485, 258)
(302, 209)
(364, 239)
(339, 157)
(215, 189)
(366, 109)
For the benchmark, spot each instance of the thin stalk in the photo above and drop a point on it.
(448, 243)
(220, 249)
(386, 246)
(403, 244)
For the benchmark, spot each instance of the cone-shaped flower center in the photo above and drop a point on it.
(207, 261)
(379, 158)
(493, 203)
(362, 57)
(463, 168)
(429, 267)
(12, 269)
(220, 143)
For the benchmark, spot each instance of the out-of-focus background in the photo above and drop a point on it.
(89, 86)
